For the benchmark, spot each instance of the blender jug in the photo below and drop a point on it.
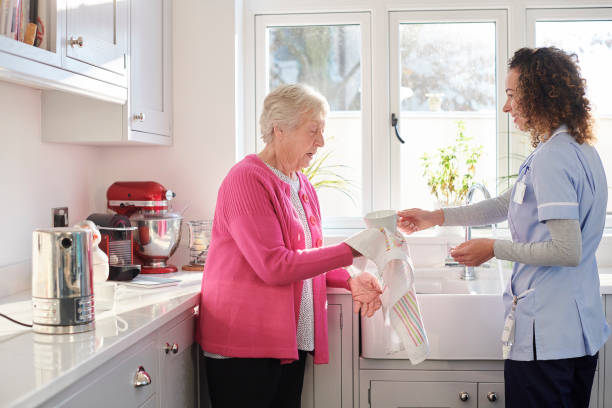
(200, 232)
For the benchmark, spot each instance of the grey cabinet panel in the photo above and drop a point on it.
(331, 385)
(491, 395)
(400, 394)
(328, 377)
(605, 360)
(113, 384)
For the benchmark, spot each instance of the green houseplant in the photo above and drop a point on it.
(450, 171)
(324, 175)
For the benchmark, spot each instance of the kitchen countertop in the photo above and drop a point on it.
(36, 367)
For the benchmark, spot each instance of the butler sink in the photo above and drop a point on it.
(463, 319)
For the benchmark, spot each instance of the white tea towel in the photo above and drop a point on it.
(400, 307)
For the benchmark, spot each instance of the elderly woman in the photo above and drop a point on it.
(556, 212)
(263, 302)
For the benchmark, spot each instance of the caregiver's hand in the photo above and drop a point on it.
(415, 219)
(366, 294)
(474, 252)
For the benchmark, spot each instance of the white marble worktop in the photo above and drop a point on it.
(36, 367)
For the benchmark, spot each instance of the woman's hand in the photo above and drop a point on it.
(366, 294)
(474, 252)
(415, 219)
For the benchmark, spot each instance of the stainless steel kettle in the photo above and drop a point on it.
(62, 284)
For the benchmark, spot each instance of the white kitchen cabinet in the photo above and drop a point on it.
(605, 361)
(177, 357)
(172, 375)
(491, 395)
(147, 116)
(112, 385)
(93, 65)
(437, 383)
(96, 39)
(150, 91)
(331, 385)
(393, 394)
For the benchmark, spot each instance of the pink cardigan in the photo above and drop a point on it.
(252, 283)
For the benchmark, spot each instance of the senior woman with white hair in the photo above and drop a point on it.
(263, 302)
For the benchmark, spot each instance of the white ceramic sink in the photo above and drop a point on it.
(463, 319)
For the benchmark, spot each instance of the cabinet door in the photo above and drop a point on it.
(605, 360)
(178, 365)
(150, 66)
(48, 49)
(491, 395)
(96, 39)
(328, 377)
(331, 385)
(112, 385)
(395, 394)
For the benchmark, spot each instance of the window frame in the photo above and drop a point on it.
(536, 14)
(262, 22)
(377, 176)
(497, 16)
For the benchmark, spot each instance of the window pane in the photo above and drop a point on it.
(447, 88)
(328, 58)
(591, 41)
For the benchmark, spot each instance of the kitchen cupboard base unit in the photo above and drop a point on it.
(160, 370)
(437, 383)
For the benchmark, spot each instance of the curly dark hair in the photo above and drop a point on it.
(551, 92)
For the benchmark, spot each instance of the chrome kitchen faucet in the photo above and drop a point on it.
(468, 271)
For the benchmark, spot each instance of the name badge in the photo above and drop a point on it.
(519, 192)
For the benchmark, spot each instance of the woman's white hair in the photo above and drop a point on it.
(284, 107)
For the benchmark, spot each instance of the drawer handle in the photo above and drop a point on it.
(174, 348)
(76, 42)
(142, 378)
(464, 396)
(139, 116)
(491, 396)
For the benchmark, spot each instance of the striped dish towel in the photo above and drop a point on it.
(400, 306)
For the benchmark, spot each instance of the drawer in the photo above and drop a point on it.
(181, 334)
(112, 385)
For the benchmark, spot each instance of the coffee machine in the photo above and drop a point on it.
(158, 231)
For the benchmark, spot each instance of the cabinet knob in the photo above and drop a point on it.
(142, 378)
(491, 396)
(139, 116)
(175, 348)
(167, 348)
(464, 396)
(76, 42)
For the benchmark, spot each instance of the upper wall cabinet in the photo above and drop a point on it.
(150, 68)
(96, 39)
(76, 46)
(146, 118)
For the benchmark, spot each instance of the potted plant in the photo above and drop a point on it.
(324, 175)
(450, 171)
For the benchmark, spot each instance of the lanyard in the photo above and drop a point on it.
(507, 337)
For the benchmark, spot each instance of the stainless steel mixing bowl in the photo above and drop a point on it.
(156, 237)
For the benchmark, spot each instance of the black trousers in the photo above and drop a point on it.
(564, 383)
(255, 382)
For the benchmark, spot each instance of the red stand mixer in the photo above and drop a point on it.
(158, 231)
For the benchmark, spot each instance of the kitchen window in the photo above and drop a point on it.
(445, 72)
(429, 65)
(588, 34)
(330, 52)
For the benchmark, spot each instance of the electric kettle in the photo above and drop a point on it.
(62, 284)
